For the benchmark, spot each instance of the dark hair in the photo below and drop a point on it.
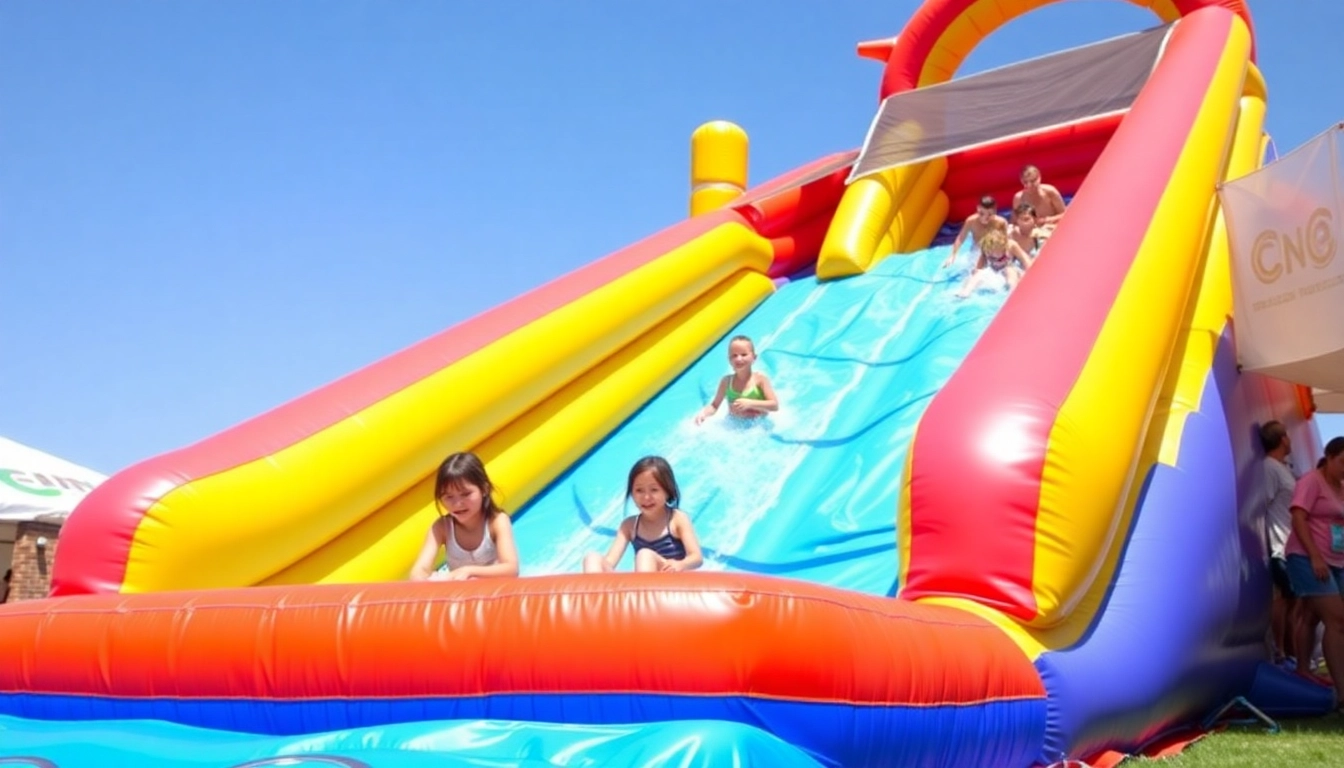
(988, 202)
(1024, 208)
(747, 339)
(662, 473)
(1272, 434)
(1334, 447)
(461, 468)
(1320, 463)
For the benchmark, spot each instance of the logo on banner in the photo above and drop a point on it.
(1275, 253)
(39, 484)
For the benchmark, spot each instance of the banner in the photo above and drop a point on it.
(1284, 224)
(38, 486)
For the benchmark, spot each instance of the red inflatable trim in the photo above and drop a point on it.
(800, 247)
(773, 207)
(1065, 160)
(1066, 157)
(1097, 129)
(926, 27)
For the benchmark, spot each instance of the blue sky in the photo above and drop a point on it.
(210, 208)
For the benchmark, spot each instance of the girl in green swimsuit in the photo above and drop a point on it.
(750, 394)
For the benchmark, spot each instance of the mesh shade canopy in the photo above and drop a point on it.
(1059, 89)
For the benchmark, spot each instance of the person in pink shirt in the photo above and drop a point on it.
(1315, 552)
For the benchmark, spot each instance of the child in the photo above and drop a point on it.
(997, 254)
(1024, 231)
(749, 394)
(476, 535)
(663, 536)
(985, 219)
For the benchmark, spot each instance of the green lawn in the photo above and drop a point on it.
(1300, 743)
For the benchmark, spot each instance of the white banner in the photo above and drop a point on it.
(38, 486)
(1284, 224)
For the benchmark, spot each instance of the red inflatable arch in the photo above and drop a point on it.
(943, 32)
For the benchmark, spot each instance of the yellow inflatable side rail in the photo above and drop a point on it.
(911, 238)
(1213, 305)
(334, 486)
(877, 215)
(919, 202)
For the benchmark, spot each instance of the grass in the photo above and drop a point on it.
(1315, 742)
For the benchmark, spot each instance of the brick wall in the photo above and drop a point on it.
(32, 564)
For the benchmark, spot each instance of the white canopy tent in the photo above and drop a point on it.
(1284, 225)
(1327, 401)
(36, 486)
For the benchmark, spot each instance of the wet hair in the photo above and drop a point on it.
(989, 202)
(995, 240)
(1025, 208)
(662, 474)
(1334, 447)
(460, 469)
(747, 339)
(1272, 434)
(1026, 169)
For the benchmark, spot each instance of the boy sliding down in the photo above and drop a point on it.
(985, 219)
(1025, 232)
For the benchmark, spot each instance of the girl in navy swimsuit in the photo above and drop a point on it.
(662, 535)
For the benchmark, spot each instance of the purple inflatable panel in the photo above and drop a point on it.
(1182, 630)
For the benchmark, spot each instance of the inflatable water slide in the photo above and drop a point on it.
(1011, 530)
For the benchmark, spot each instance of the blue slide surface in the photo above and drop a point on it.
(809, 492)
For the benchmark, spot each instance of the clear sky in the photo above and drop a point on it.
(209, 208)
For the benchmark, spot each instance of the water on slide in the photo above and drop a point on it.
(809, 492)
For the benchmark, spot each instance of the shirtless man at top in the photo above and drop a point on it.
(985, 219)
(1044, 198)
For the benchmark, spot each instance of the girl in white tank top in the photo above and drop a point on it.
(464, 499)
(483, 554)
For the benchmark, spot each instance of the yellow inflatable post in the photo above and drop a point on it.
(718, 165)
(918, 237)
